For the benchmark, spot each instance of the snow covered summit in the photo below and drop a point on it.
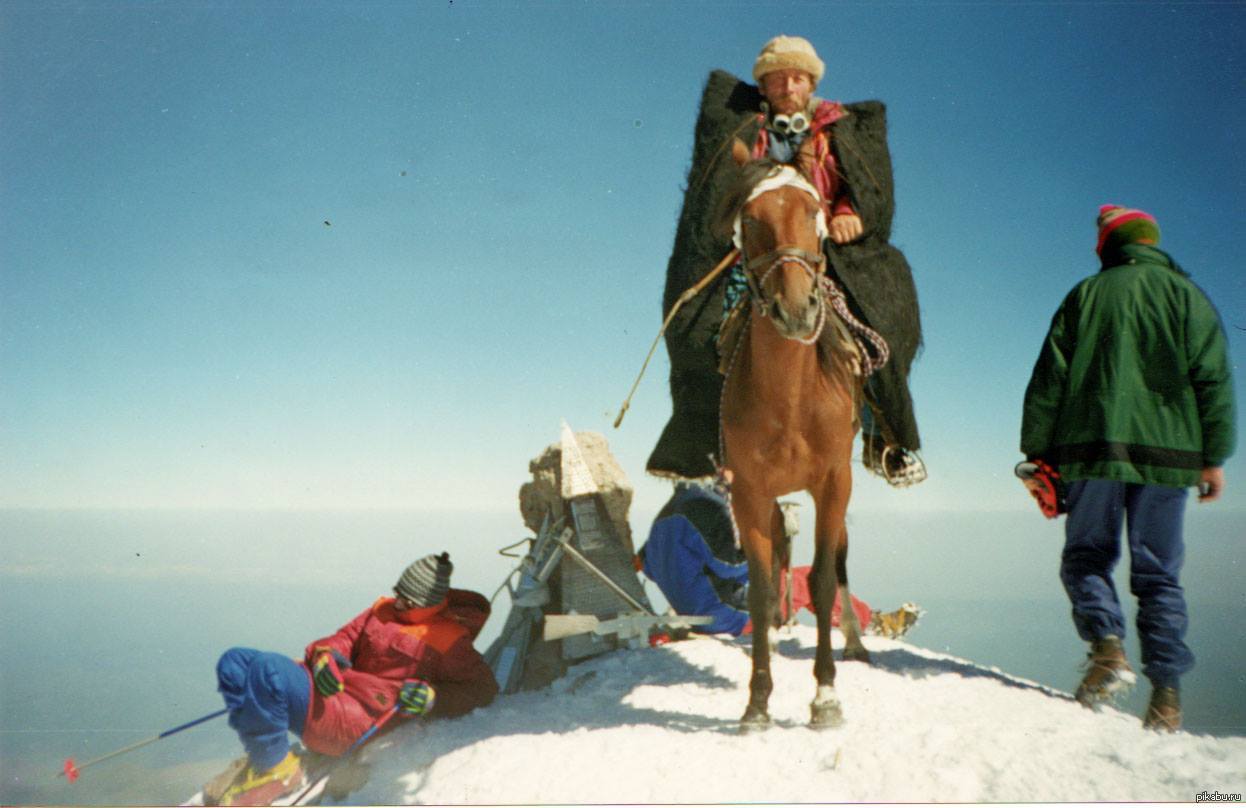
(659, 725)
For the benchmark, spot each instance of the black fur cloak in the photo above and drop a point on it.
(875, 274)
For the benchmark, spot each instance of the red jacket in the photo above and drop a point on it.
(824, 172)
(387, 647)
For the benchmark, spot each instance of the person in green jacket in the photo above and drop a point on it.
(1131, 401)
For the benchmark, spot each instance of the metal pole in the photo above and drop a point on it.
(564, 540)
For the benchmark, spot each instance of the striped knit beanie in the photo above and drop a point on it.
(426, 582)
(1120, 225)
(784, 52)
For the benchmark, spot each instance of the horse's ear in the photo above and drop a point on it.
(740, 152)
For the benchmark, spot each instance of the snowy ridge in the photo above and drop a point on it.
(659, 725)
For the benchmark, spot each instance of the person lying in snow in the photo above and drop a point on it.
(693, 556)
(412, 651)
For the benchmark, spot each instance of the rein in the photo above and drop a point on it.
(772, 260)
(782, 253)
(861, 333)
(865, 337)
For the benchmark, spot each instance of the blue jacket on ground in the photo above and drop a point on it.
(678, 559)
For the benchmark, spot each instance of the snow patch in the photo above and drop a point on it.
(660, 725)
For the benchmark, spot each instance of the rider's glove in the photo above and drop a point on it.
(416, 697)
(327, 672)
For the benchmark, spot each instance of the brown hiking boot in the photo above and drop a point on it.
(1109, 674)
(1163, 714)
(217, 786)
(262, 788)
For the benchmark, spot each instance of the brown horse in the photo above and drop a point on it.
(788, 418)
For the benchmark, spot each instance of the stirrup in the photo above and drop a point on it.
(900, 467)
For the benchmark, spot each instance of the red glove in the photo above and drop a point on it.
(1044, 484)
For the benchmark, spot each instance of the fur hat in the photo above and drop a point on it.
(788, 52)
(426, 582)
(1121, 225)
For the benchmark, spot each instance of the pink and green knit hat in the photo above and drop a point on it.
(1122, 225)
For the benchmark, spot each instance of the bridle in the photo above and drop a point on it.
(827, 291)
(811, 263)
(772, 260)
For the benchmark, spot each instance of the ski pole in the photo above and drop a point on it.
(376, 725)
(70, 771)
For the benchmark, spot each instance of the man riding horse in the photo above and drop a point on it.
(842, 150)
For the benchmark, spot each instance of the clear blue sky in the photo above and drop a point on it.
(180, 327)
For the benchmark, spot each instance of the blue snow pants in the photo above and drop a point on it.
(267, 695)
(1153, 515)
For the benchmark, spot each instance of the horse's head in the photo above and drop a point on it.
(779, 225)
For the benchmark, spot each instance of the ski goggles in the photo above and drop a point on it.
(792, 124)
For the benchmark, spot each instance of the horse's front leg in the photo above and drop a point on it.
(825, 710)
(831, 503)
(758, 546)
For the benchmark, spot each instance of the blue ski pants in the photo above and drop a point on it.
(1153, 517)
(267, 695)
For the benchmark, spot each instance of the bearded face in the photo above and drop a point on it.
(787, 91)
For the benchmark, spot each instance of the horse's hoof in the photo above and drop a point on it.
(754, 720)
(825, 716)
(857, 654)
(825, 711)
